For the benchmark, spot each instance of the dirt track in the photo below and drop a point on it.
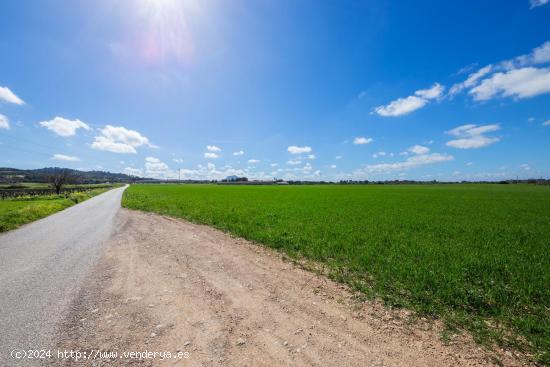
(169, 285)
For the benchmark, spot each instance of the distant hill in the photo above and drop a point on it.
(12, 175)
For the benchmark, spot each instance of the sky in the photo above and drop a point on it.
(311, 90)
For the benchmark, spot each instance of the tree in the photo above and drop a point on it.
(59, 178)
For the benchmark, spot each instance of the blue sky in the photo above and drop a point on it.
(444, 90)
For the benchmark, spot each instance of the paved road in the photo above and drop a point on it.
(42, 266)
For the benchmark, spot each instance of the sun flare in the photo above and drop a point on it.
(164, 33)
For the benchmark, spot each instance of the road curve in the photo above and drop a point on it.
(42, 266)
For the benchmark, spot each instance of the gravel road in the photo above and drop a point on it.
(42, 267)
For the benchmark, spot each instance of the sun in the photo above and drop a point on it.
(165, 32)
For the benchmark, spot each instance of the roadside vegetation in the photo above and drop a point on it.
(15, 212)
(476, 256)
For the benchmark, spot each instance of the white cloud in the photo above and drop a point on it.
(519, 83)
(474, 77)
(379, 154)
(105, 144)
(517, 77)
(472, 143)
(211, 172)
(240, 152)
(403, 106)
(431, 93)
(295, 173)
(152, 160)
(525, 167)
(133, 171)
(541, 54)
(118, 139)
(213, 148)
(211, 155)
(177, 160)
(253, 161)
(4, 122)
(64, 127)
(360, 140)
(293, 149)
(294, 162)
(471, 80)
(471, 136)
(67, 158)
(419, 149)
(311, 156)
(546, 123)
(274, 164)
(338, 157)
(536, 3)
(472, 129)
(469, 163)
(155, 168)
(411, 162)
(8, 96)
(332, 166)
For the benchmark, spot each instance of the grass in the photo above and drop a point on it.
(477, 256)
(19, 211)
(41, 185)
(30, 185)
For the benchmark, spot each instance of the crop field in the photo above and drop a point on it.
(18, 211)
(476, 256)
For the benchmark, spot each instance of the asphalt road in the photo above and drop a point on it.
(42, 267)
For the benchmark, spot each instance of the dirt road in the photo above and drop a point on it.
(169, 285)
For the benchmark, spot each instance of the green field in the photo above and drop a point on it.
(477, 256)
(18, 211)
